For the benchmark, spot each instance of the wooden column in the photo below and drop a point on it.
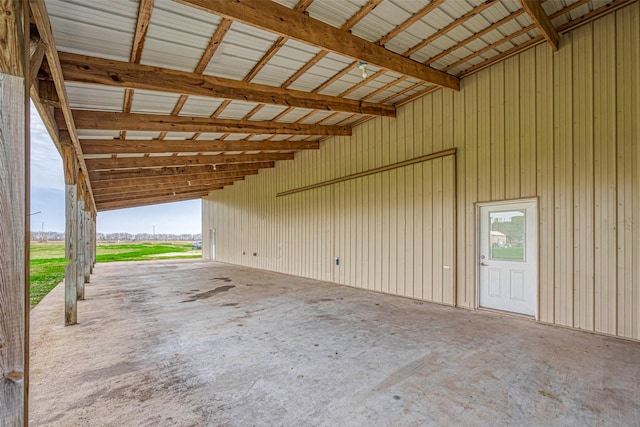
(87, 242)
(95, 239)
(80, 239)
(71, 235)
(14, 225)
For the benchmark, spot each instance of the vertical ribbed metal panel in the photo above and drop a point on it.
(562, 127)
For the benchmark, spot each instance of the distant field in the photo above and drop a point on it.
(47, 260)
(516, 253)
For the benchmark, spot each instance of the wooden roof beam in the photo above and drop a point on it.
(88, 69)
(107, 120)
(147, 189)
(139, 37)
(132, 203)
(162, 161)
(40, 17)
(160, 193)
(117, 146)
(541, 19)
(172, 171)
(176, 179)
(281, 20)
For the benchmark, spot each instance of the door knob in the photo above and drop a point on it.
(484, 265)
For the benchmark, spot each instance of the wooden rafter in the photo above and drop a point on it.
(132, 203)
(135, 175)
(412, 20)
(290, 23)
(147, 189)
(40, 17)
(385, 87)
(215, 41)
(162, 161)
(473, 12)
(568, 26)
(178, 170)
(117, 146)
(87, 69)
(160, 193)
(541, 20)
(360, 14)
(108, 120)
(491, 46)
(475, 36)
(142, 27)
(179, 179)
(357, 17)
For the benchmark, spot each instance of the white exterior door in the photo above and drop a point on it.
(508, 257)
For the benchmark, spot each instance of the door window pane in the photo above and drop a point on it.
(507, 235)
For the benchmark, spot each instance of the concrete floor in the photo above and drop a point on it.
(184, 343)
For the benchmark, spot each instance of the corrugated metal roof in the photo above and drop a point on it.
(198, 106)
(181, 30)
(145, 101)
(103, 28)
(334, 12)
(243, 46)
(94, 97)
(178, 35)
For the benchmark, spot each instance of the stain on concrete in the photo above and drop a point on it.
(316, 301)
(209, 294)
(549, 395)
(396, 397)
(222, 279)
(230, 304)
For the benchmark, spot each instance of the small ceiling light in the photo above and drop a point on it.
(363, 67)
(189, 182)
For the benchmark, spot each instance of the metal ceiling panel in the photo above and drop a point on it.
(92, 97)
(236, 110)
(198, 106)
(289, 59)
(209, 136)
(181, 30)
(97, 134)
(243, 46)
(103, 28)
(142, 135)
(179, 136)
(334, 12)
(145, 101)
(295, 114)
(268, 112)
(380, 21)
(325, 69)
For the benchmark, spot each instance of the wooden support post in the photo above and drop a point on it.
(80, 240)
(14, 208)
(87, 243)
(95, 239)
(71, 235)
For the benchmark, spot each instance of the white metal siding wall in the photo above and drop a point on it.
(564, 127)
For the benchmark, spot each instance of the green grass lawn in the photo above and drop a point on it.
(515, 253)
(47, 260)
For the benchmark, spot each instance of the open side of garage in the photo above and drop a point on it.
(474, 154)
(201, 343)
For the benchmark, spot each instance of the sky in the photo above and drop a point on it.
(47, 197)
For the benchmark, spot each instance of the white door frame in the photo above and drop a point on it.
(537, 242)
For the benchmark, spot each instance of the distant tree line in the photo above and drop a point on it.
(54, 236)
